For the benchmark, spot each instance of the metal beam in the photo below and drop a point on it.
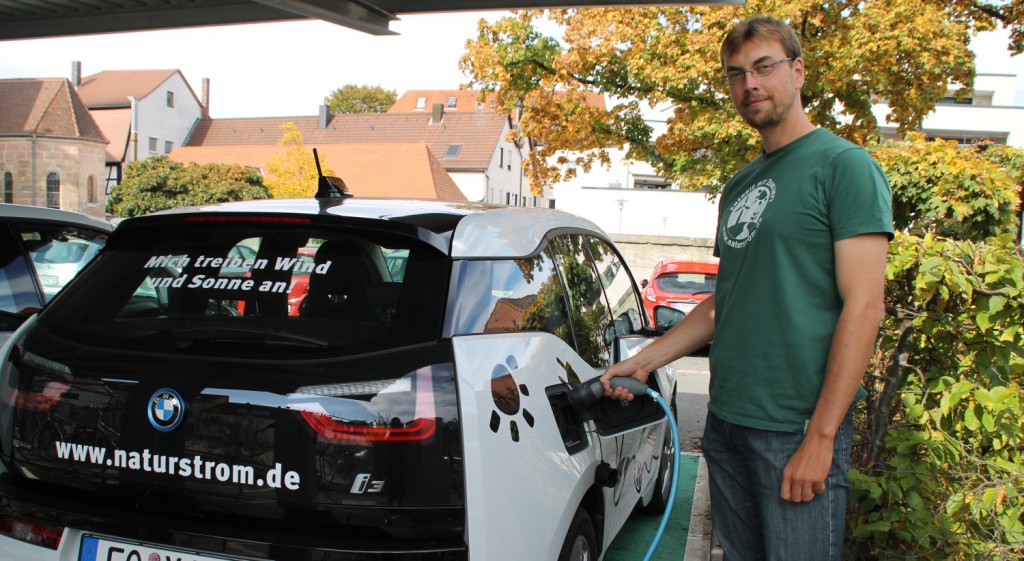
(357, 15)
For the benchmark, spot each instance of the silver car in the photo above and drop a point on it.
(41, 249)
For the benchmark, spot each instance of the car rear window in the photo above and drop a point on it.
(687, 283)
(241, 288)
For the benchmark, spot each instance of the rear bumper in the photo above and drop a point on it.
(277, 541)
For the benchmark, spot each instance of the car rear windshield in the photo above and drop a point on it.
(245, 288)
(687, 283)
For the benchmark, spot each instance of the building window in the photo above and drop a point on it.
(90, 190)
(152, 145)
(453, 151)
(53, 190)
(650, 182)
(950, 100)
(421, 103)
(450, 103)
(501, 157)
(168, 146)
(8, 187)
(170, 99)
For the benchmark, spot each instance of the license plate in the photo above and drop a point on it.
(684, 307)
(49, 280)
(102, 549)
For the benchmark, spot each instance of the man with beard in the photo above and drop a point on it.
(802, 240)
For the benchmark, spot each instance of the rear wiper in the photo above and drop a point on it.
(187, 335)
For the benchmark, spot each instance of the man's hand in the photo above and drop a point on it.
(805, 473)
(627, 367)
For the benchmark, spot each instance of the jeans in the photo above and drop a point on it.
(750, 519)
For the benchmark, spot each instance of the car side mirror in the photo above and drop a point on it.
(666, 318)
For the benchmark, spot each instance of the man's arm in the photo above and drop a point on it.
(696, 330)
(860, 278)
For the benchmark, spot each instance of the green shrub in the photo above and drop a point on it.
(939, 473)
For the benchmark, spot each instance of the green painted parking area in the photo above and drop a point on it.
(635, 539)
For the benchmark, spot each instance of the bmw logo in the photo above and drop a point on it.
(166, 410)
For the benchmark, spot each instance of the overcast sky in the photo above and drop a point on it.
(286, 69)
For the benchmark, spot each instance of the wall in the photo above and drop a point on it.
(74, 161)
(642, 253)
(649, 212)
(157, 120)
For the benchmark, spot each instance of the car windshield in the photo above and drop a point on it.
(245, 288)
(687, 283)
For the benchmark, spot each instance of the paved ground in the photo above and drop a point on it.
(692, 375)
(687, 536)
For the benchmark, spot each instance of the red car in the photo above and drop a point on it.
(300, 284)
(680, 285)
(300, 280)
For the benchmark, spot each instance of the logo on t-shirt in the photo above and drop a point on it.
(744, 216)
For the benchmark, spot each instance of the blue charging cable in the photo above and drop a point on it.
(586, 394)
(675, 471)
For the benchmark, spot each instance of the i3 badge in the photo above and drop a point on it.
(166, 410)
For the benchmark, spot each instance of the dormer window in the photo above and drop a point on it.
(421, 103)
(453, 151)
(450, 104)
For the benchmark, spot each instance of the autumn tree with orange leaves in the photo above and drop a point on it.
(904, 52)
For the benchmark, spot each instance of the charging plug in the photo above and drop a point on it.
(587, 393)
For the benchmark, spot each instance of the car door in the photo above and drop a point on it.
(604, 307)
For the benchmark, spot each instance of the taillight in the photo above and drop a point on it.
(52, 390)
(45, 399)
(421, 427)
(30, 531)
(334, 429)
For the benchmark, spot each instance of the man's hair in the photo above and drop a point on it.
(763, 27)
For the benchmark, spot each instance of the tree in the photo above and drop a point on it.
(158, 183)
(293, 173)
(856, 53)
(360, 99)
(941, 188)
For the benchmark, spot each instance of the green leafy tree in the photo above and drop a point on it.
(856, 53)
(941, 188)
(158, 183)
(360, 99)
(293, 173)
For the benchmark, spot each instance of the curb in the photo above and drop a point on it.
(698, 539)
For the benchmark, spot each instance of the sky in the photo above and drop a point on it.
(266, 69)
(286, 69)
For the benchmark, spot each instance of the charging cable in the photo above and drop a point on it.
(587, 393)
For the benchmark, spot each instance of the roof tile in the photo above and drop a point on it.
(111, 88)
(477, 133)
(368, 170)
(45, 106)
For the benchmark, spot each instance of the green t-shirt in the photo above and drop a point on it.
(776, 301)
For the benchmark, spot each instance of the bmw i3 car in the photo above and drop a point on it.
(166, 407)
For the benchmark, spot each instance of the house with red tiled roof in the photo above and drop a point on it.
(413, 101)
(473, 148)
(51, 150)
(423, 101)
(369, 170)
(468, 101)
(142, 112)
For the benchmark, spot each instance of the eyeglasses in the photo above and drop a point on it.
(758, 70)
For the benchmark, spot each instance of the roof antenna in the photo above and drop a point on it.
(329, 186)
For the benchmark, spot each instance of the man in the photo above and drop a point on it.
(802, 240)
